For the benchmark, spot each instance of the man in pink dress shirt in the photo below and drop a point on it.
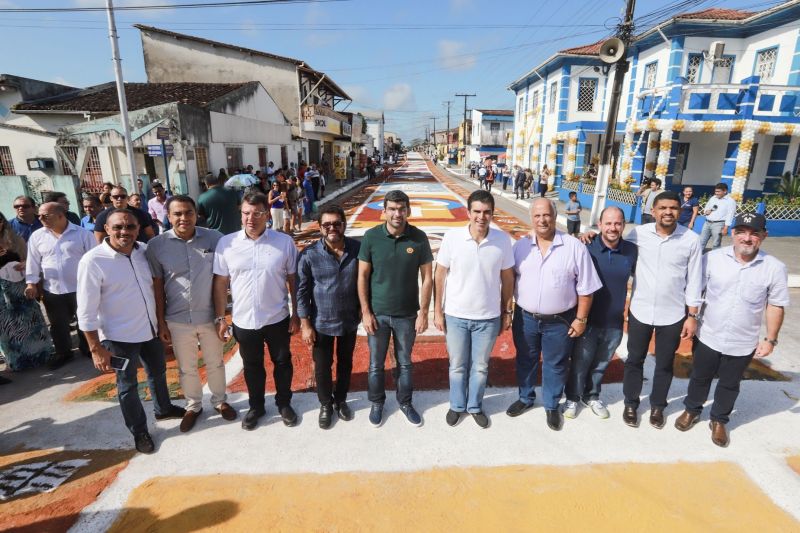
(553, 293)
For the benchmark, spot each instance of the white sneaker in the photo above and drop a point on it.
(570, 409)
(598, 408)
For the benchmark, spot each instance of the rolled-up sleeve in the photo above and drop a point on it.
(588, 280)
(694, 276)
(88, 296)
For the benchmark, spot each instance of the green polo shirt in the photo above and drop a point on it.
(394, 286)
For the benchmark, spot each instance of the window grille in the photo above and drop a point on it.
(650, 75)
(693, 68)
(71, 153)
(765, 64)
(201, 158)
(553, 96)
(6, 164)
(587, 89)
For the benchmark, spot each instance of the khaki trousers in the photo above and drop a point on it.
(185, 338)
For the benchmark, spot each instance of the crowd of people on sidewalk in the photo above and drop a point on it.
(134, 290)
(525, 182)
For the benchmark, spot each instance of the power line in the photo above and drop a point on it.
(155, 7)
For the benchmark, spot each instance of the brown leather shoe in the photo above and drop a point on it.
(686, 421)
(630, 416)
(657, 417)
(189, 420)
(227, 412)
(719, 435)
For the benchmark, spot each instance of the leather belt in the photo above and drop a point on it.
(558, 317)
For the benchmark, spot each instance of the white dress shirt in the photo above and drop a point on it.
(258, 270)
(115, 294)
(55, 258)
(735, 298)
(472, 288)
(723, 210)
(669, 273)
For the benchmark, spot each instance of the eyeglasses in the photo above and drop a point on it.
(119, 196)
(328, 225)
(46, 216)
(23, 206)
(254, 214)
(120, 227)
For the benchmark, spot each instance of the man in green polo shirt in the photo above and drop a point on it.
(392, 257)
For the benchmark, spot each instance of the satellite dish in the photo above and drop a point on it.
(612, 50)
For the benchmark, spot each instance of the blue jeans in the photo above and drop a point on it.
(151, 353)
(532, 336)
(469, 343)
(711, 231)
(593, 351)
(402, 330)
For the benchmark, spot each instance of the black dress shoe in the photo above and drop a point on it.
(189, 420)
(630, 417)
(452, 417)
(554, 420)
(250, 420)
(517, 408)
(344, 411)
(657, 417)
(173, 412)
(325, 415)
(57, 361)
(144, 443)
(481, 419)
(288, 415)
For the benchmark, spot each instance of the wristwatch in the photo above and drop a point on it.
(693, 315)
(219, 319)
(773, 342)
(511, 312)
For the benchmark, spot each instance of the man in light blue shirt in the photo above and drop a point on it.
(719, 213)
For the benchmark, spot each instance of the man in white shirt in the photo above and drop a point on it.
(157, 205)
(54, 251)
(667, 281)
(742, 284)
(719, 213)
(117, 312)
(259, 265)
(474, 284)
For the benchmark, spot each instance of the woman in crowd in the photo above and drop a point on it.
(24, 338)
(544, 181)
(277, 203)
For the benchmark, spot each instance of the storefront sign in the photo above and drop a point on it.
(321, 119)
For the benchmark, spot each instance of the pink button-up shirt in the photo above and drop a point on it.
(552, 284)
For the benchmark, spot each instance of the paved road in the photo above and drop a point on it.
(516, 475)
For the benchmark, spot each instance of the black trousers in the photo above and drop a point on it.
(707, 364)
(647, 219)
(323, 363)
(61, 310)
(251, 347)
(667, 340)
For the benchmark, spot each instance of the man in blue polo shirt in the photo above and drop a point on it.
(615, 261)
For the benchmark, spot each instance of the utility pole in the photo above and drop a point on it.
(123, 103)
(447, 157)
(464, 157)
(434, 134)
(624, 33)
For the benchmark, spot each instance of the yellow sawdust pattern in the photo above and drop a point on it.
(622, 497)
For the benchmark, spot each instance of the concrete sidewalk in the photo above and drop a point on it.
(787, 249)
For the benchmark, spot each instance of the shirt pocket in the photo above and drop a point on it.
(754, 292)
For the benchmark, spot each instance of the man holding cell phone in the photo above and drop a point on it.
(117, 313)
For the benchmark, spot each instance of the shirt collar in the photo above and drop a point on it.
(679, 230)
(404, 234)
(728, 250)
(172, 235)
(557, 239)
(243, 235)
(602, 245)
(108, 247)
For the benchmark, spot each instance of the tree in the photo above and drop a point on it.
(789, 186)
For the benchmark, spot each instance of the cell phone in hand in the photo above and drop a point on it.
(119, 363)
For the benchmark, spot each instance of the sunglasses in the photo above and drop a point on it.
(23, 206)
(119, 196)
(46, 217)
(120, 227)
(329, 225)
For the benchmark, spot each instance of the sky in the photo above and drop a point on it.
(406, 57)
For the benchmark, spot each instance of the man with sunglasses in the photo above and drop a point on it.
(53, 255)
(328, 307)
(117, 312)
(259, 265)
(119, 200)
(26, 221)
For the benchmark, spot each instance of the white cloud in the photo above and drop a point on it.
(452, 55)
(360, 95)
(399, 97)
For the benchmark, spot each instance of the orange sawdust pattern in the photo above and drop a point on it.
(58, 510)
(794, 462)
(104, 386)
(623, 497)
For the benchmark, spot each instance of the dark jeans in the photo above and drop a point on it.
(61, 312)
(667, 340)
(593, 351)
(488, 185)
(323, 361)
(647, 219)
(251, 347)
(707, 364)
(519, 190)
(573, 227)
(151, 354)
(403, 333)
(532, 336)
(543, 189)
